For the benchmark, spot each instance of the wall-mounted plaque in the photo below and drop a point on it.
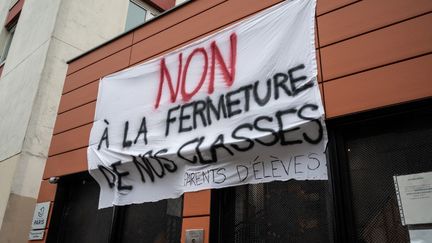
(414, 194)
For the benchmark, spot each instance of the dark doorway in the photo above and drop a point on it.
(357, 204)
(76, 217)
(367, 152)
(291, 211)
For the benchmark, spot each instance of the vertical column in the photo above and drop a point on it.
(196, 213)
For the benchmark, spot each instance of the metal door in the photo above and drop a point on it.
(76, 217)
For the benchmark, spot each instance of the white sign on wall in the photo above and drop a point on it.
(40, 215)
(241, 106)
(414, 193)
(36, 234)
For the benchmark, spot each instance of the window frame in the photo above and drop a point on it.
(9, 38)
(150, 13)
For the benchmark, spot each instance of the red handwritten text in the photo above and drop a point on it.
(228, 71)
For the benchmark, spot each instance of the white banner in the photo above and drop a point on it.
(241, 106)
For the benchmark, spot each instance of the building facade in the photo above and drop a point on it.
(374, 61)
(36, 39)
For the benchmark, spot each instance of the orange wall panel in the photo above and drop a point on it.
(110, 64)
(70, 140)
(393, 84)
(162, 4)
(384, 46)
(66, 163)
(79, 97)
(190, 9)
(100, 53)
(47, 192)
(196, 26)
(367, 15)
(196, 203)
(196, 223)
(79, 116)
(324, 6)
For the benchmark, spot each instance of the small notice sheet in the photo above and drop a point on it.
(420, 235)
(414, 194)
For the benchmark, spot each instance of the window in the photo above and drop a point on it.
(138, 13)
(13, 2)
(7, 44)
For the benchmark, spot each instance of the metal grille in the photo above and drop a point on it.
(292, 211)
(152, 222)
(76, 217)
(373, 159)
